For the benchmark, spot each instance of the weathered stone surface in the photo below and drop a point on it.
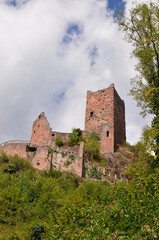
(41, 131)
(105, 114)
(13, 148)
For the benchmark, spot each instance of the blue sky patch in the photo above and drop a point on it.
(59, 96)
(15, 3)
(73, 31)
(93, 54)
(116, 5)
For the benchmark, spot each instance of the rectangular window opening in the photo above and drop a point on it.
(107, 133)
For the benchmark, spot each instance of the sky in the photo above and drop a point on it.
(52, 52)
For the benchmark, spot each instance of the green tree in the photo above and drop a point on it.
(142, 30)
(75, 137)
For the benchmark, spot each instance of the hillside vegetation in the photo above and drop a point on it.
(52, 205)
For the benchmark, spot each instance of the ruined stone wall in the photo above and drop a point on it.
(14, 147)
(63, 159)
(119, 120)
(39, 158)
(41, 132)
(66, 160)
(64, 136)
(99, 109)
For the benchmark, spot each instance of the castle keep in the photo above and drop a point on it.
(105, 115)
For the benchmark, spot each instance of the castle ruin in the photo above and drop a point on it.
(105, 115)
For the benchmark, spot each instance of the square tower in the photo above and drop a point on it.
(105, 114)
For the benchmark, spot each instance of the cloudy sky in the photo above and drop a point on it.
(51, 53)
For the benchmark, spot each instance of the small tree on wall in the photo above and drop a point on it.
(91, 147)
(75, 137)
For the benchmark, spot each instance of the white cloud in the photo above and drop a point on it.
(39, 72)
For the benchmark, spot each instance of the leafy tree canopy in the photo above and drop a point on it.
(142, 30)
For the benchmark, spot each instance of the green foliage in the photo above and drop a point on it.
(67, 163)
(72, 157)
(94, 173)
(69, 160)
(63, 154)
(53, 205)
(4, 158)
(36, 232)
(91, 147)
(142, 30)
(12, 168)
(59, 142)
(75, 137)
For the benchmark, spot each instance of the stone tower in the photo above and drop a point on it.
(105, 114)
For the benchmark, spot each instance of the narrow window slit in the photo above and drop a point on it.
(91, 114)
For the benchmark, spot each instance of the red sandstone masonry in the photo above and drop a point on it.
(105, 114)
(41, 131)
(99, 109)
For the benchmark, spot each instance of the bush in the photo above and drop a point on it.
(59, 142)
(4, 158)
(91, 147)
(94, 173)
(75, 137)
(36, 232)
(14, 164)
(11, 168)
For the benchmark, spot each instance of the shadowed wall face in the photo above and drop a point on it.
(119, 120)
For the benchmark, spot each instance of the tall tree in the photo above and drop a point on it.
(141, 29)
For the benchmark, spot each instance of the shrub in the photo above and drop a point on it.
(67, 163)
(59, 142)
(14, 164)
(36, 232)
(94, 173)
(11, 168)
(72, 158)
(63, 154)
(4, 158)
(91, 147)
(75, 137)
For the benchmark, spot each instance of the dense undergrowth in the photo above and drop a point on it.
(42, 205)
